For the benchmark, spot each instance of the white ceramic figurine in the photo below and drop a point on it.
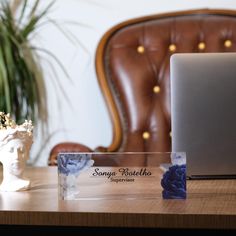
(15, 144)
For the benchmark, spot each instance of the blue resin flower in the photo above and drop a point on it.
(174, 182)
(74, 163)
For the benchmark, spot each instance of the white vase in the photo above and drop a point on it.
(15, 145)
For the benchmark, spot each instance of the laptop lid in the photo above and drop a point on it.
(203, 108)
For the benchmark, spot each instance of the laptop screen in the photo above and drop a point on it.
(203, 109)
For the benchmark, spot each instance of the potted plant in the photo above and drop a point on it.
(22, 87)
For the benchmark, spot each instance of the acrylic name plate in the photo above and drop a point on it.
(121, 175)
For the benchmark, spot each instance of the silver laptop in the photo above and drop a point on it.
(203, 106)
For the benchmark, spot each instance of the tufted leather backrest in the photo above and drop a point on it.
(132, 65)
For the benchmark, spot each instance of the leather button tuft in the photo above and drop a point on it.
(228, 43)
(172, 48)
(201, 46)
(140, 49)
(156, 89)
(146, 135)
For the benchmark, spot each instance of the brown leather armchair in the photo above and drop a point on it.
(132, 63)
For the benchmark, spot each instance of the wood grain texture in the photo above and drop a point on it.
(211, 204)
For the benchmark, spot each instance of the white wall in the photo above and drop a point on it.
(87, 120)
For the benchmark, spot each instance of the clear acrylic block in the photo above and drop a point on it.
(129, 175)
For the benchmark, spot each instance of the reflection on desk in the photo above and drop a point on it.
(211, 204)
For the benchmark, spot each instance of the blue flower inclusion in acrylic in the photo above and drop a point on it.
(74, 163)
(174, 182)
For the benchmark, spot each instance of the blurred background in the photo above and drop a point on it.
(83, 117)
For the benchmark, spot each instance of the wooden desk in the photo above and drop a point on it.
(211, 204)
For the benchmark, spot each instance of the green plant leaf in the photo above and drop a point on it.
(34, 19)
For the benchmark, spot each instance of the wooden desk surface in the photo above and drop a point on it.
(210, 204)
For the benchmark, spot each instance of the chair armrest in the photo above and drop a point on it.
(65, 147)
